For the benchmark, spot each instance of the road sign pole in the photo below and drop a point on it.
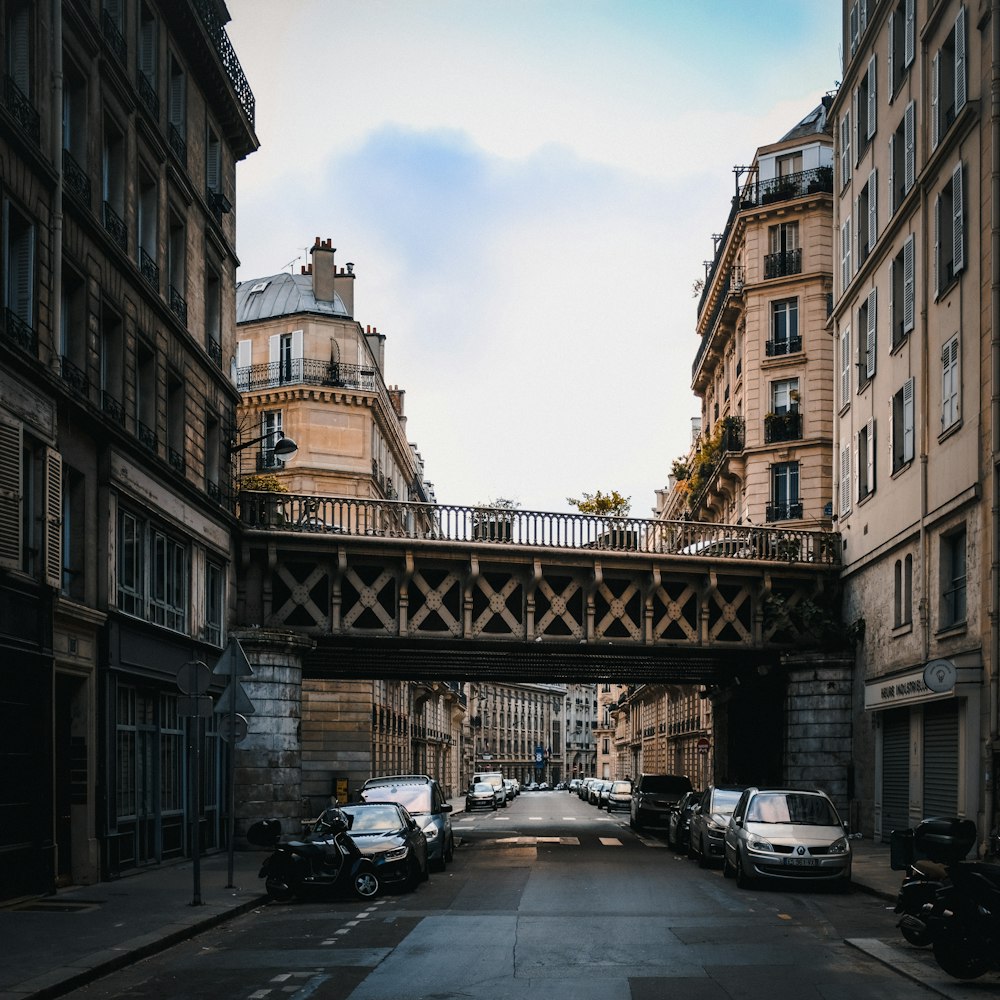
(231, 748)
(196, 810)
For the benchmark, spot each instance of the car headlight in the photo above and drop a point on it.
(717, 824)
(397, 854)
(840, 846)
(760, 844)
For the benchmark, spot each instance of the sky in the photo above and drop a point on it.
(527, 190)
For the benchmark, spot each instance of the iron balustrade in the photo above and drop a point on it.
(227, 55)
(777, 348)
(76, 179)
(114, 224)
(112, 407)
(176, 459)
(790, 511)
(146, 435)
(306, 371)
(114, 37)
(177, 143)
(147, 95)
(20, 332)
(731, 442)
(74, 377)
(782, 427)
(149, 269)
(783, 263)
(178, 306)
(215, 351)
(23, 111)
(447, 523)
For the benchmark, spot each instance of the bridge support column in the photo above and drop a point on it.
(818, 726)
(268, 771)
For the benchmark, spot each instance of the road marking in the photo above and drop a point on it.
(282, 977)
(610, 841)
(342, 930)
(260, 994)
(569, 819)
(535, 817)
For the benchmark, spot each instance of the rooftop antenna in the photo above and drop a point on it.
(293, 262)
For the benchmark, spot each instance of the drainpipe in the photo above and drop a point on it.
(993, 724)
(57, 163)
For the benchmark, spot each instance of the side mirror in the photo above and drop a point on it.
(446, 808)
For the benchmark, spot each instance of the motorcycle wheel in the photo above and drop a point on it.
(919, 938)
(960, 959)
(280, 892)
(366, 884)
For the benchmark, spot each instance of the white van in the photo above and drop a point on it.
(494, 778)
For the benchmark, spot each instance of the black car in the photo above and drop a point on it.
(679, 822)
(387, 834)
(653, 796)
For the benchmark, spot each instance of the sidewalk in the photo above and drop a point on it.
(96, 929)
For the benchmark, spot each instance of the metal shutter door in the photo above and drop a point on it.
(941, 758)
(895, 771)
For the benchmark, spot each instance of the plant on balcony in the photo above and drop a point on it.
(822, 180)
(264, 482)
(494, 521)
(262, 511)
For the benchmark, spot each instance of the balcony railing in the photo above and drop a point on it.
(732, 442)
(782, 427)
(74, 377)
(775, 189)
(20, 332)
(114, 37)
(147, 95)
(115, 226)
(791, 511)
(783, 263)
(778, 348)
(215, 351)
(401, 519)
(146, 435)
(224, 48)
(177, 304)
(306, 371)
(76, 179)
(24, 113)
(112, 407)
(177, 142)
(149, 269)
(176, 459)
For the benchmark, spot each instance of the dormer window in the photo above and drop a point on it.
(259, 287)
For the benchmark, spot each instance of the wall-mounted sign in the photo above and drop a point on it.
(940, 675)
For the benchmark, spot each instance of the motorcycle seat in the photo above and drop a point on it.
(933, 870)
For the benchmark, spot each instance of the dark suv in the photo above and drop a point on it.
(653, 796)
(421, 796)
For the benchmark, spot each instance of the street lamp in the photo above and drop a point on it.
(283, 448)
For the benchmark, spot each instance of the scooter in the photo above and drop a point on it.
(927, 855)
(326, 859)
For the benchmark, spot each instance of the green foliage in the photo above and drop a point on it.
(264, 482)
(501, 503)
(613, 503)
(679, 469)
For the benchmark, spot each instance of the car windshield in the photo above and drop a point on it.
(373, 819)
(482, 789)
(415, 799)
(792, 807)
(665, 784)
(725, 799)
(621, 786)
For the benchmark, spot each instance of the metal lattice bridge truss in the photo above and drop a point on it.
(394, 588)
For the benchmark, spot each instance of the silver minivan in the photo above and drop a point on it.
(422, 798)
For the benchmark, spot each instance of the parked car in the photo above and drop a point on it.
(531, 786)
(619, 796)
(679, 820)
(423, 799)
(583, 789)
(494, 778)
(653, 795)
(709, 819)
(481, 795)
(387, 834)
(787, 835)
(573, 785)
(594, 795)
(509, 789)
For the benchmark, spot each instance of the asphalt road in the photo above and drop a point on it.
(547, 899)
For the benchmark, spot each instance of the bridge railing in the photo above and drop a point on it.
(449, 523)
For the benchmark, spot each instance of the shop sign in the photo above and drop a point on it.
(890, 692)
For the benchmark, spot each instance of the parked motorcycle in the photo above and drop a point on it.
(927, 855)
(326, 859)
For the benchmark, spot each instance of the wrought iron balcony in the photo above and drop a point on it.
(115, 226)
(176, 459)
(20, 332)
(227, 55)
(777, 348)
(23, 111)
(177, 143)
(74, 377)
(76, 179)
(782, 427)
(147, 95)
(149, 269)
(177, 304)
(790, 511)
(306, 371)
(146, 435)
(215, 351)
(783, 263)
(114, 37)
(112, 407)
(775, 189)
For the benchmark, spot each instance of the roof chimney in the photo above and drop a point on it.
(323, 269)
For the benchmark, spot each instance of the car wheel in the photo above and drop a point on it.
(366, 884)
(702, 854)
(449, 854)
(425, 873)
(690, 848)
(494, 807)
(742, 879)
(728, 871)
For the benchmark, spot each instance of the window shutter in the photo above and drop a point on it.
(891, 55)
(212, 168)
(845, 479)
(11, 498)
(958, 222)
(960, 85)
(147, 49)
(950, 385)
(23, 268)
(872, 102)
(909, 145)
(870, 467)
(53, 519)
(18, 49)
(864, 17)
(854, 16)
(893, 200)
(845, 148)
(892, 436)
(297, 338)
(908, 424)
(909, 285)
(845, 255)
(872, 210)
(176, 98)
(935, 90)
(244, 353)
(870, 345)
(956, 367)
(856, 137)
(845, 366)
(937, 245)
(908, 34)
(274, 348)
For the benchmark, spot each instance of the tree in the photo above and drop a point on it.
(612, 503)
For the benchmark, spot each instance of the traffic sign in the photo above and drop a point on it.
(703, 744)
(233, 662)
(194, 677)
(233, 728)
(234, 699)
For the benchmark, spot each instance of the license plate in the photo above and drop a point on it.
(800, 862)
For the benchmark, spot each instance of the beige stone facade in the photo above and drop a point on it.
(915, 330)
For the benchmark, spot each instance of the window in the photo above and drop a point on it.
(785, 503)
(867, 339)
(953, 609)
(19, 274)
(785, 395)
(74, 529)
(145, 395)
(902, 157)
(285, 357)
(113, 182)
(147, 47)
(176, 421)
(866, 212)
(213, 162)
(845, 479)
(73, 333)
(845, 254)
(949, 232)
(785, 337)
(865, 103)
(948, 80)
(18, 29)
(153, 572)
(901, 43)
(784, 253)
(177, 267)
(845, 149)
(213, 313)
(177, 110)
(901, 290)
(951, 386)
(845, 367)
(147, 209)
(866, 460)
(75, 124)
(112, 363)
(272, 434)
(901, 415)
(214, 602)
(903, 592)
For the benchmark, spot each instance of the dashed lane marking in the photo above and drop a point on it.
(610, 841)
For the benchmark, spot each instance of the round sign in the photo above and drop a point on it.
(940, 675)
(233, 730)
(703, 743)
(194, 677)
